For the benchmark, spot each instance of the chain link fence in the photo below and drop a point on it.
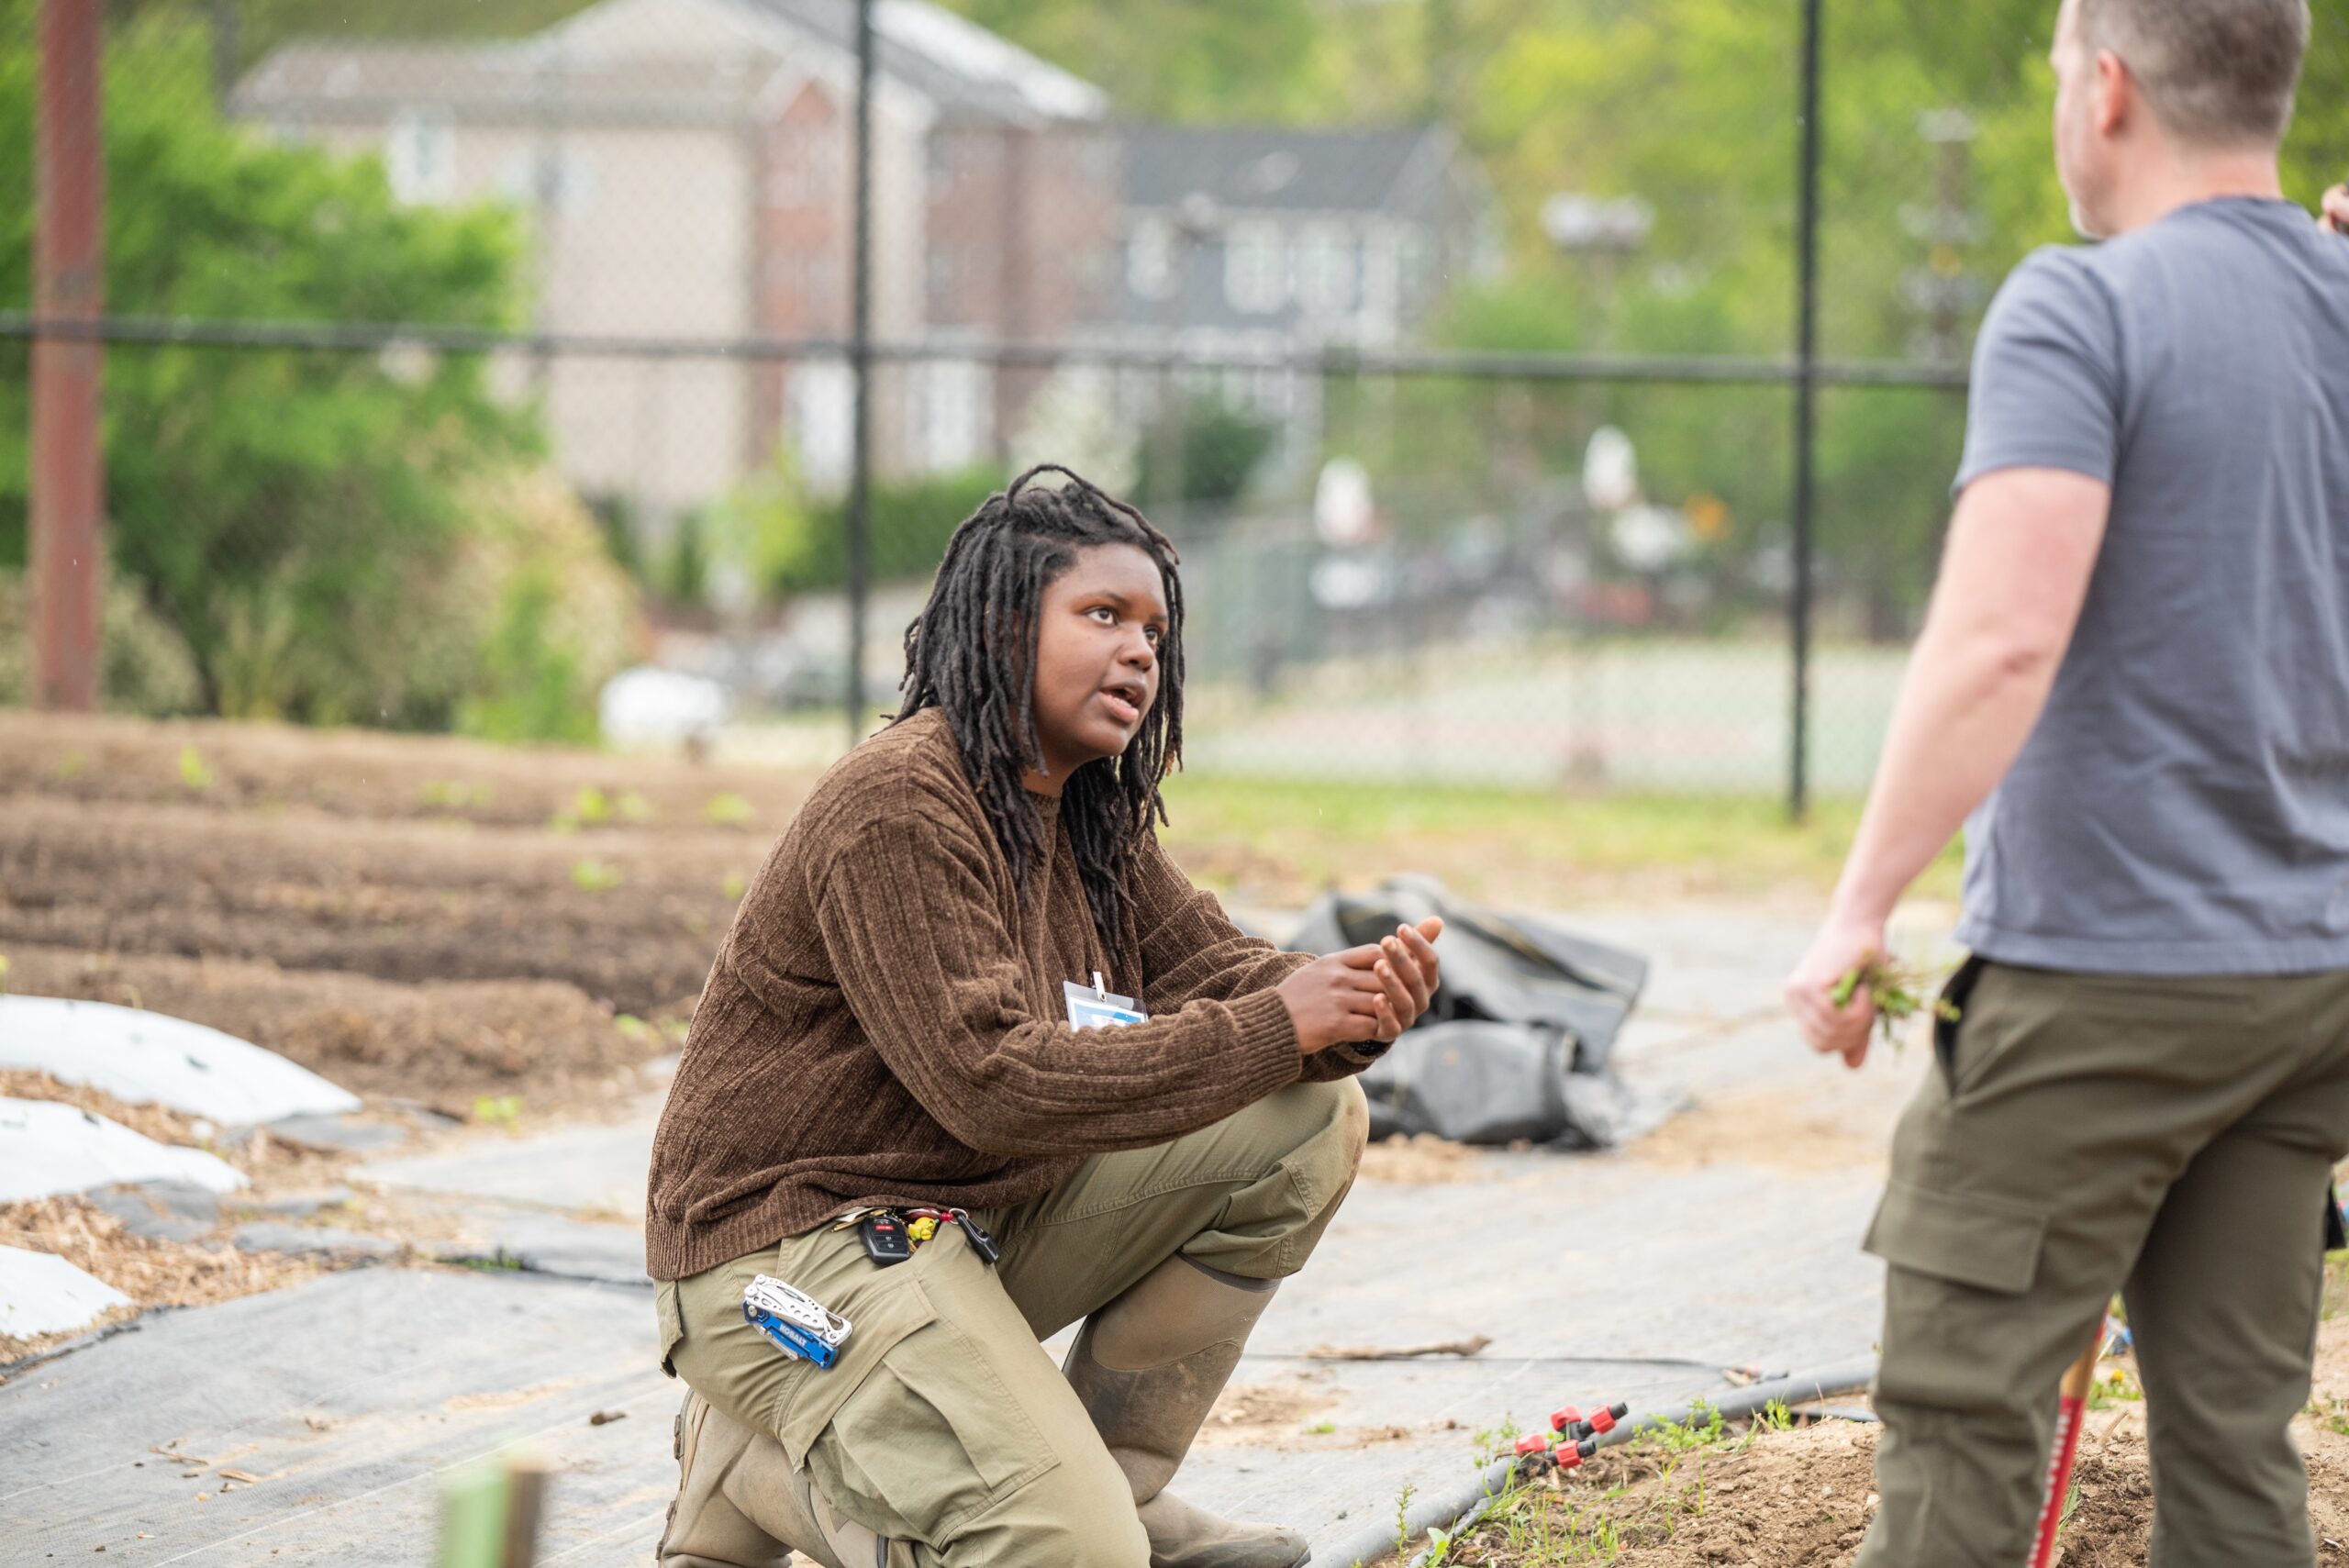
(459, 357)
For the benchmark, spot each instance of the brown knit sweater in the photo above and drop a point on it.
(884, 1022)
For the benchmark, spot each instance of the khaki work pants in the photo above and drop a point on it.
(2170, 1139)
(944, 1425)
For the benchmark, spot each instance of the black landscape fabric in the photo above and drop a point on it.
(1516, 1045)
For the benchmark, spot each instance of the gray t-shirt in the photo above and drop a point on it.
(2183, 806)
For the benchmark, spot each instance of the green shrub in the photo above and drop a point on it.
(551, 616)
(145, 668)
(1220, 448)
(288, 514)
(793, 546)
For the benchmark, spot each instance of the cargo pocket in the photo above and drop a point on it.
(811, 1396)
(670, 1323)
(1967, 1240)
(932, 1438)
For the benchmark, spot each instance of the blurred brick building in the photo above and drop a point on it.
(687, 169)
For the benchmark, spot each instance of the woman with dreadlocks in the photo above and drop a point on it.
(894, 1102)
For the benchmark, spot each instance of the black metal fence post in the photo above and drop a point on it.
(1806, 399)
(860, 478)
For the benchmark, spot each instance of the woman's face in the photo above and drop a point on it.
(1096, 658)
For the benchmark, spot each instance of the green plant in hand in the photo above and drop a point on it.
(1899, 990)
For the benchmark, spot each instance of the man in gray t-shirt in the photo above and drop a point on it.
(2182, 806)
(2133, 689)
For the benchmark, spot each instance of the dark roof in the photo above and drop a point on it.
(1273, 167)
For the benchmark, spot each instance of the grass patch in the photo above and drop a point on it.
(1702, 1490)
(1283, 843)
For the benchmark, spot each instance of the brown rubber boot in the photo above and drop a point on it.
(1148, 1366)
(740, 1505)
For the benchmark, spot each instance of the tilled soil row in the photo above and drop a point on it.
(369, 775)
(631, 918)
(443, 1044)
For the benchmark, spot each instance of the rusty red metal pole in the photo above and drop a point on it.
(68, 478)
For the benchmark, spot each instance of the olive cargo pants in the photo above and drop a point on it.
(2170, 1139)
(944, 1425)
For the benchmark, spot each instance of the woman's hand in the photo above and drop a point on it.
(2336, 210)
(1373, 992)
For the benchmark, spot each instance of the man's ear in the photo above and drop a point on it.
(2117, 99)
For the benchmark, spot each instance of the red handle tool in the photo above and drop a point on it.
(2072, 1405)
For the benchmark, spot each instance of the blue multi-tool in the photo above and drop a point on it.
(798, 1324)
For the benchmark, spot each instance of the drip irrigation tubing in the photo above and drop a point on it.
(1460, 1507)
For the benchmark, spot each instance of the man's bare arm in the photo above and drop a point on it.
(2013, 576)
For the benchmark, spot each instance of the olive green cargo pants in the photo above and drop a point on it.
(944, 1425)
(2170, 1139)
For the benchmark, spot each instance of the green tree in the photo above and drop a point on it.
(286, 512)
(785, 542)
(1216, 448)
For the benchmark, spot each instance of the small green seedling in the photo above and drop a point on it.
(193, 773)
(595, 876)
(452, 794)
(1897, 989)
(727, 811)
(498, 1111)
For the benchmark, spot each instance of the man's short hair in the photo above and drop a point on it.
(2219, 72)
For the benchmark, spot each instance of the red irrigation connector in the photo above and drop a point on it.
(1571, 1455)
(1563, 1416)
(1534, 1442)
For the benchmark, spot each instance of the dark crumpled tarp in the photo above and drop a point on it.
(1517, 1043)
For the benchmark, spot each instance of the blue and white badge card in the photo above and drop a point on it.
(1090, 1008)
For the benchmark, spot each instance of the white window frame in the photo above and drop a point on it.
(1255, 266)
(1327, 257)
(421, 156)
(1151, 270)
(817, 402)
(571, 190)
(953, 404)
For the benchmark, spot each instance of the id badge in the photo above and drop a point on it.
(1092, 1009)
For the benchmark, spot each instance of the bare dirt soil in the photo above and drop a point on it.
(1802, 1498)
(446, 929)
(416, 917)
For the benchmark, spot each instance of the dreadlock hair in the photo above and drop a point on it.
(972, 652)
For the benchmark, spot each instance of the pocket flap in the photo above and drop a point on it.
(1984, 1242)
(813, 1396)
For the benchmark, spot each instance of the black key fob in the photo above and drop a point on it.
(883, 1231)
(981, 1243)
